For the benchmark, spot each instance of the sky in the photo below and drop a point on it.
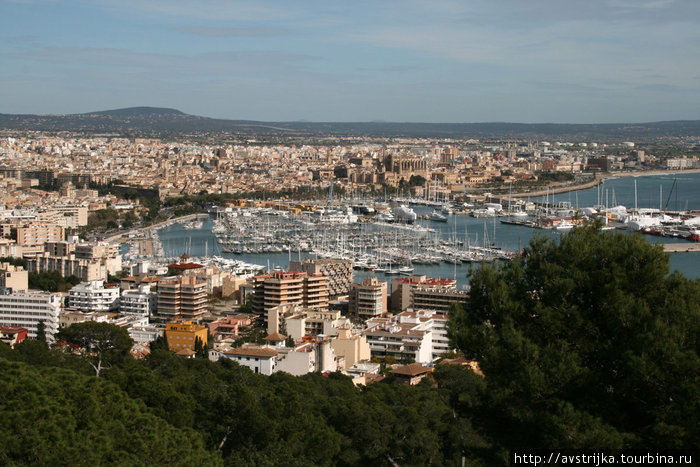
(529, 61)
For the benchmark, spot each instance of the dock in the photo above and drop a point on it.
(681, 247)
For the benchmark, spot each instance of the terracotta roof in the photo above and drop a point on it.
(414, 369)
(186, 352)
(372, 378)
(276, 337)
(252, 351)
(152, 279)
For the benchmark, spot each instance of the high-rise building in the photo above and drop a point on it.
(32, 236)
(88, 261)
(425, 293)
(94, 296)
(28, 308)
(338, 271)
(294, 288)
(368, 299)
(140, 301)
(182, 296)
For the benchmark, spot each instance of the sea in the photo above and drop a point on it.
(667, 191)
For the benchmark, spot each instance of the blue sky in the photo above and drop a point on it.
(573, 61)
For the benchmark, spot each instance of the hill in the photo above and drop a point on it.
(137, 112)
(164, 122)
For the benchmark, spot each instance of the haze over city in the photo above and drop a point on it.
(441, 61)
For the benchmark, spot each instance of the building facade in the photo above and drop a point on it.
(368, 299)
(141, 301)
(182, 296)
(94, 296)
(261, 360)
(289, 288)
(425, 293)
(28, 308)
(183, 335)
(13, 277)
(338, 271)
(89, 262)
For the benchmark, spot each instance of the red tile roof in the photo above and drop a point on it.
(252, 352)
(414, 369)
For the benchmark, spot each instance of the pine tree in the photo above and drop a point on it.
(41, 331)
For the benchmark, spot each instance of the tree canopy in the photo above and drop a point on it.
(103, 343)
(586, 342)
(54, 416)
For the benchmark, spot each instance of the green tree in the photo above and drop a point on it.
(416, 180)
(102, 343)
(160, 343)
(41, 331)
(54, 416)
(588, 342)
(198, 347)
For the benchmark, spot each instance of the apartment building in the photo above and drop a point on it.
(338, 271)
(28, 308)
(300, 322)
(141, 301)
(94, 296)
(390, 337)
(88, 261)
(368, 299)
(293, 288)
(350, 347)
(32, 236)
(69, 217)
(229, 326)
(183, 335)
(184, 297)
(13, 277)
(425, 293)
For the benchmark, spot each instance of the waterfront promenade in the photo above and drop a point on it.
(681, 247)
(599, 178)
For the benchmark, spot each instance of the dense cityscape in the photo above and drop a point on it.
(81, 246)
(349, 234)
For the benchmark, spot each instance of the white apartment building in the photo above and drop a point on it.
(437, 323)
(143, 335)
(261, 360)
(139, 302)
(306, 322)
(420, 335)
(27, 308)
(93, 296)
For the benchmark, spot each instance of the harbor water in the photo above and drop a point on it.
(467, 230)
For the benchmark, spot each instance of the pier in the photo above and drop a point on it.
(681, 247)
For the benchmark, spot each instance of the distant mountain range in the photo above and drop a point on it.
(155, 121)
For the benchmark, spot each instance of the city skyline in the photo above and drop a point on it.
(598, 62)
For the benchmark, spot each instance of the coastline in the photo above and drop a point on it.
(172, 220)
(599, 178)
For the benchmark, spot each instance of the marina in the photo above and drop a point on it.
(265, 238)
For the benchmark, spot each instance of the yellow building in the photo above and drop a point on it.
(182, 335)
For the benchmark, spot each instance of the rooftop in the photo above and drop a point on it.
(265, 352)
